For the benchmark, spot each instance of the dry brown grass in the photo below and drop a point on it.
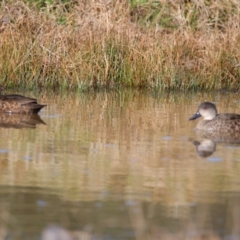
(163, 44)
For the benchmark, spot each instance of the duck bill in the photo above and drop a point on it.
(195, 116)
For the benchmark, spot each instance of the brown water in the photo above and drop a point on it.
(125, 165)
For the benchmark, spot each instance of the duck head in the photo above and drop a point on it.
(207, 110)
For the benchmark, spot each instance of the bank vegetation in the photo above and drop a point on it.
(112, 44)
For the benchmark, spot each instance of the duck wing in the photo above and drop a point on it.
(229, 116)
(18, 98)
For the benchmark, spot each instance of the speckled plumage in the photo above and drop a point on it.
(14, 103)
(212, 121)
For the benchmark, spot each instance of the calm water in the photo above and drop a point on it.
(114, 166)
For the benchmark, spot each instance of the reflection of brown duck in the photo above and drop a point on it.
(209, 139)
(20, 120)
(205, 148)
(212, 121)
(14, 103)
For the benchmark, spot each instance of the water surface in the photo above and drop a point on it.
(124, 165)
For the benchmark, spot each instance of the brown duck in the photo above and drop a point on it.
(212, 121)
(14, 103)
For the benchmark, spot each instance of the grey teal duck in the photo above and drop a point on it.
(212, 121)
(15, 103)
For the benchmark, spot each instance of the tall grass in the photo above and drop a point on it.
(112, 44)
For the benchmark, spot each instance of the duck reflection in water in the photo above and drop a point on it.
(205, 148)
(20, 120)
(209, 139)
